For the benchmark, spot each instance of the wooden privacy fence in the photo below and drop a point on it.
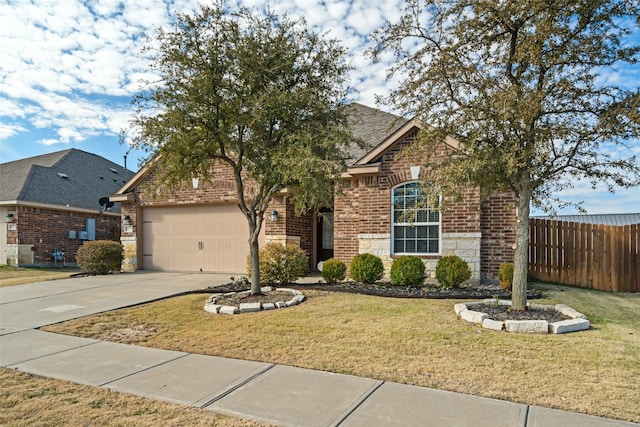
(595, 256)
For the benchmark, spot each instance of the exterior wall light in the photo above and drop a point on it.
(127, 219)
(8, 217)
(274, 216)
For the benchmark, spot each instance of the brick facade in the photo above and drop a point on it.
(497, 224)
(482, 234)
(38, 231)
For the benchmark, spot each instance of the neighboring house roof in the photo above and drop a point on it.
(605, 219)
(69, 178)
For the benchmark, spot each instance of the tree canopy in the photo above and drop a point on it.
(525, 87)
(256, 92)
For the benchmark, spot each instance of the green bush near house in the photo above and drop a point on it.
(100, 256)
(281, 264)
(505, 275)
(334, 270)
(407, 271)
(451, 271)
(366, 268)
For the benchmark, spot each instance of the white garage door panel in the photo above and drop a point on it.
(196, 238)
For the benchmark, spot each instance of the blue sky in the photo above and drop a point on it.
(68, 70)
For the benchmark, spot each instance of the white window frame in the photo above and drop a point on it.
(414, 224)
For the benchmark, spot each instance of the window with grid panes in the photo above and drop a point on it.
(416, 225)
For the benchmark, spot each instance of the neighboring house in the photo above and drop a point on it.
(200, 228)
(49, 206)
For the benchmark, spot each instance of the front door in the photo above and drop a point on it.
(325, 235)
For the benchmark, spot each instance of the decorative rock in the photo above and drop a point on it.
(568, 311)
(577, 323)
(473, 316)
(571, 325)
(213, 305)
(459, 308)
(470, 305)
(248, 307)
(228, 309)
(212, 308)
(496, 325)
(527, 326)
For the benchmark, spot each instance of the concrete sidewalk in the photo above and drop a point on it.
(282, 395)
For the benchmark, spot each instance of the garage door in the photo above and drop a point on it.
(195, 238)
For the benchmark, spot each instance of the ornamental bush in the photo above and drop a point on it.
(407, 271)
(334, 270)
(505, 275)
(451, 271)
(100, 256)
(366, 268)
(281, 264)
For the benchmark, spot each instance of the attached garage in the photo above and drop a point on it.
(211, 238)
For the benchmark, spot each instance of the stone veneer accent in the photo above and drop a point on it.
(130, 259)
(464, 245)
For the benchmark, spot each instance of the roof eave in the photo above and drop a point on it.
(363, 170)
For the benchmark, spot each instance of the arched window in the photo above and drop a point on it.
(416, 225)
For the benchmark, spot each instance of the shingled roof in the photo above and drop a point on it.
(370, 126)
(69, 178)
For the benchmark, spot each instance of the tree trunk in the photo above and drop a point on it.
(254, 255)
(521, 255)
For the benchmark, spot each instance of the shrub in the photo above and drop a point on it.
(334, 270)
(407, 271)
(451, 271)
(100, 256)
(505, 275)
(366, 268)
(280, 264)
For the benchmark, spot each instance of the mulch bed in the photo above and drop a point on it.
(495, 312)
(388, 290)
(504, 312)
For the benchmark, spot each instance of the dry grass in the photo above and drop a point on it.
(28, 400)
(414, 342)
(10, 276)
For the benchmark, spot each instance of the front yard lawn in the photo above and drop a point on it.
(28, 400)
(411, 341)
(10, 276)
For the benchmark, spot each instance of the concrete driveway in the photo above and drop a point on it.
(39, 304)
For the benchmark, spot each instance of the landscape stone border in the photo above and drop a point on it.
(577, 321)
(211, 306)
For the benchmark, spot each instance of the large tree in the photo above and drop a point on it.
(529, 88)
(258, 93)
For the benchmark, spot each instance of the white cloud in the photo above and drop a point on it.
(7, 130)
